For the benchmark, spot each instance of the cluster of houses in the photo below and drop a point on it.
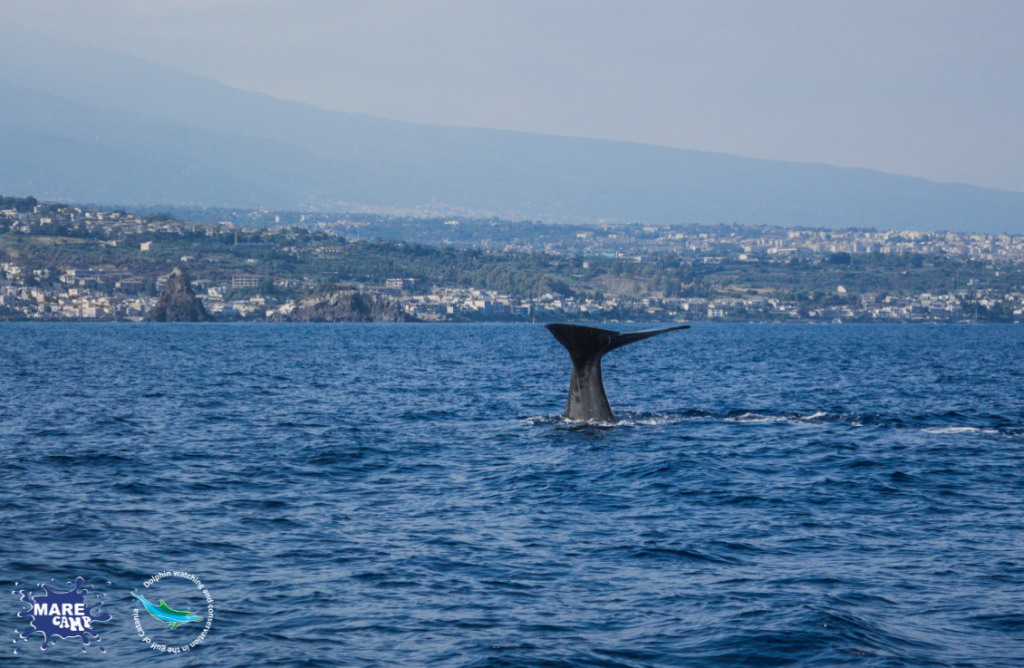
(774, 244)
(105, 293)
(639, 242)
(630, 241)
(74, 295)
(110, 224)
(957, 245)
(111, 295)
(961, 306)
(633, 241)
(783, 245)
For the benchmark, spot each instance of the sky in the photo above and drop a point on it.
(932, 88)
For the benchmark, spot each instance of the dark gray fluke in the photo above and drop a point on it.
(586, 346)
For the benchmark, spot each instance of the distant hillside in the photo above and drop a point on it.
(93, 126)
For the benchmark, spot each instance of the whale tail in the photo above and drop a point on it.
(586, 346)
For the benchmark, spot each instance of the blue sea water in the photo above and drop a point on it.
(381, 495)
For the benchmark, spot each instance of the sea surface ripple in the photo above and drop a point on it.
(381, 495)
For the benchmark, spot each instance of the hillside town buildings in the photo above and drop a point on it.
(83, 295)
(106, 293)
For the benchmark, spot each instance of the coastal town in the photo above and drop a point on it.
(91, 264)
(748, 243)
(79, 294)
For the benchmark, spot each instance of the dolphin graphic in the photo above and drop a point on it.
(166, 615)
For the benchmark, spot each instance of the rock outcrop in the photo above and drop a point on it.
(178, 302)
(346, 306)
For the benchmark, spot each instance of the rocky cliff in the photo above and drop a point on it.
(346, 306)
(178, 302)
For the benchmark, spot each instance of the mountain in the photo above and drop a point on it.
(89, 125)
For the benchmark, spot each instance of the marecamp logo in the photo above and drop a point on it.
(63, 614)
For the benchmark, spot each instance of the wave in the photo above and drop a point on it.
(755, 417)
(925, 424)
(960, 430)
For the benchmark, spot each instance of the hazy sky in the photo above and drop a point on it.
(925, 88)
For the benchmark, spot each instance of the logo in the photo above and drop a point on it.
(64, 614)
(166, 615)
(168, 635)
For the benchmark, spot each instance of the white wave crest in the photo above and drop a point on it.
(755, 417)
(960, 430)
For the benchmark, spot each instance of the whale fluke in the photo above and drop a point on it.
(586, 346)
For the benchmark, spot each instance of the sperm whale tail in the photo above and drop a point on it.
(586, 346)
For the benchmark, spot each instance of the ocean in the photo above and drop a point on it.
(382, 495)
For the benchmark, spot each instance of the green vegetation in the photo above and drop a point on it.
(287, 262)
(19, 204)
(299, 254)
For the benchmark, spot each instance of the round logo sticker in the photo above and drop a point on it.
(174, 613)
